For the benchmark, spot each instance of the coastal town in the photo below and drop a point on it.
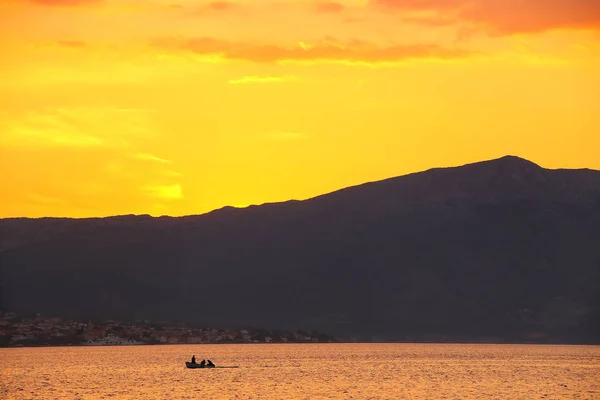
(38, 330)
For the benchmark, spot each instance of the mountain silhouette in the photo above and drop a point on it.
(500, 248)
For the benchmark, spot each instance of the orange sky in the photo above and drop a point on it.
(180, 107)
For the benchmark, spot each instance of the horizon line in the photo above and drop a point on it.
(508, 156)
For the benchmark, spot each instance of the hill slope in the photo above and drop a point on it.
(498, 248)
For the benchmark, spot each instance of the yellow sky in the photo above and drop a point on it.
(179, 107)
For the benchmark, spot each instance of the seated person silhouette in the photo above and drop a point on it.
(202, 363)
(210, 364)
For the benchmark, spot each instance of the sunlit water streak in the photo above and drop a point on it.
(297, 371)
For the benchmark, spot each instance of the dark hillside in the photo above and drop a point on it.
(501, 248)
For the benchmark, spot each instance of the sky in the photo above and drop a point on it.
(178, 107)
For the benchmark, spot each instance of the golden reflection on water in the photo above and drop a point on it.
(303, 371)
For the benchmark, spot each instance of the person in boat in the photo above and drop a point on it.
(193, 359)
(202, 363)
(210, 364)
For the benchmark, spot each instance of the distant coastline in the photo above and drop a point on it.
(42, 331)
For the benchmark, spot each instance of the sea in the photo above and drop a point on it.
(303, 371)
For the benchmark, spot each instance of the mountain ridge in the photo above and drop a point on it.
(511, 159)
(498, 248)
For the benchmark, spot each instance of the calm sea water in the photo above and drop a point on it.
(297, 371)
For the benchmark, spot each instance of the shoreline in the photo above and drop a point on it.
(309, 343)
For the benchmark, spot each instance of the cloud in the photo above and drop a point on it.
(331, 50)
(505, 17)
(420, 4)
(75, 127)
(63, 3)
(527, 16)
(221, 5)
(151, 157)
(261, 79)
(328, 7)
(170, 192)
(50, 135)
(218, 8)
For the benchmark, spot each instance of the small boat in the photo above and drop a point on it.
(196, 365)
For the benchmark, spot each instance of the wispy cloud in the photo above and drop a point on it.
(324, 6)
(60, 3)
(75, 127)
(330, 50)
(261, 79)
(170, 192)
(505, 17)
(151, 157)
(48, 136)
(211, 8)
(221, 5)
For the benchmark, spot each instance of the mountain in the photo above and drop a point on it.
(501, 248)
